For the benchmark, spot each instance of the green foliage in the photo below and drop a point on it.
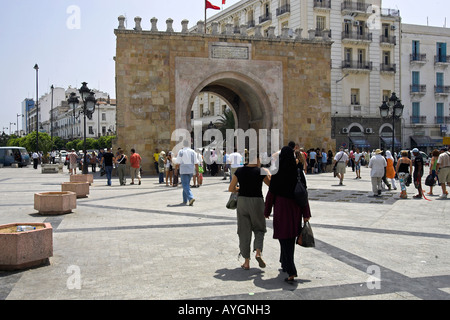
(46, 145)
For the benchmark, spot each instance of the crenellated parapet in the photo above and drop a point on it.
(286, 33)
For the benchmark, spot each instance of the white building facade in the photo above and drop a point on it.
(365, 55)
(59, 120)
(425, 75)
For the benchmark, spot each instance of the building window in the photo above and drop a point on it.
(415, 81)
(415, 50)
(386, 95)
(386, 57)
(103, 131)
(439, 82)
(441, 52)
(348, 54)
(415, 112)
(320, 23)
(439, 113)
(103, 116)
(91, 130)
(355, 97)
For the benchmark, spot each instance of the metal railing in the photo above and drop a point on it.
(362, 65)
(283, 9)
(356, 36)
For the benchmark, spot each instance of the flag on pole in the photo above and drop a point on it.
(223, 1)
(211, 6)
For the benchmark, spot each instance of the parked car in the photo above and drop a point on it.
(63, 156)
(10, 155)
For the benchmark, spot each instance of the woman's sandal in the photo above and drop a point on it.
(290, 280)
(245, 268)
(261, 262)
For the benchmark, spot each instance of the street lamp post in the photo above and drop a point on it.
(51, 117)
(36, 67)
(396, 113)
(18, 115)
(89, 101)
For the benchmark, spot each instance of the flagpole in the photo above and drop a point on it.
(205, 16)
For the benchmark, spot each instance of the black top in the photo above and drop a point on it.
(108, 159)
(122, 159)
(418, 165)
(250, 181)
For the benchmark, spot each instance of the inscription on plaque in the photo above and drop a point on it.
(230, 52)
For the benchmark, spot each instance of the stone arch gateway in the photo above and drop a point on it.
(278, 83)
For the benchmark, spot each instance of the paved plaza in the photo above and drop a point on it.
(140, 242)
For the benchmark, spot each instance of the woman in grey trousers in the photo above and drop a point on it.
(250, 208)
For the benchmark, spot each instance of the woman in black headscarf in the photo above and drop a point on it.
(287, 216)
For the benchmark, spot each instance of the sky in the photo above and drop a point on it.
(73, 41)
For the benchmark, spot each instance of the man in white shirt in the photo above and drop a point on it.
(341, 160)
(377, 164)
(443, 169)
(187, 162)
(357, 157)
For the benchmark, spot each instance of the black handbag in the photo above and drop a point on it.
(430, 181)
(300, 192)
(306, 237)
(232, 201)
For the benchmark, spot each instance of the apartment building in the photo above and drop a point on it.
(365, 56)
(425, 74)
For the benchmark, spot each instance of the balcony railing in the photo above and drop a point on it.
(418, 88)
(442, 89)
(361, 65)
(251, 24)
(388, 67)
(356, 36)
(418, 119)
(441, 120)
(389, 39)
(283, 9)
(354, 6)
(319, 33)
(418, 57)
(441, 59)
(264, 18)
(322, 4)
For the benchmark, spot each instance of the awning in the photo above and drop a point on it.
(422, 141)
(360, 142)
(388, 142)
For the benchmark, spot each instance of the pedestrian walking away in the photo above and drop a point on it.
(135, 166)
(443, 169)
(121, 162)
(108, 161)
(161, 166)
(390, 171)
(377, 164)
(287, 214)
(341, 160)
(186, 163)
(418, 173)
(404, 169)
(73, 162)
(250, 208)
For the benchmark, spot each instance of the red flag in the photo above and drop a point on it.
(223, 1)
(210, 6)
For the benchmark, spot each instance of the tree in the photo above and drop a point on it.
(225, 122)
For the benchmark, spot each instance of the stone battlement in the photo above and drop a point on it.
(286, 33)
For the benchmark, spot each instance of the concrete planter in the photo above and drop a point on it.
(49, 168)
(81, 189)
(55, 203)
(21, 250)
(82, 178)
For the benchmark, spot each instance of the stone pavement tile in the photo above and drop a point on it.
(137, 242)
